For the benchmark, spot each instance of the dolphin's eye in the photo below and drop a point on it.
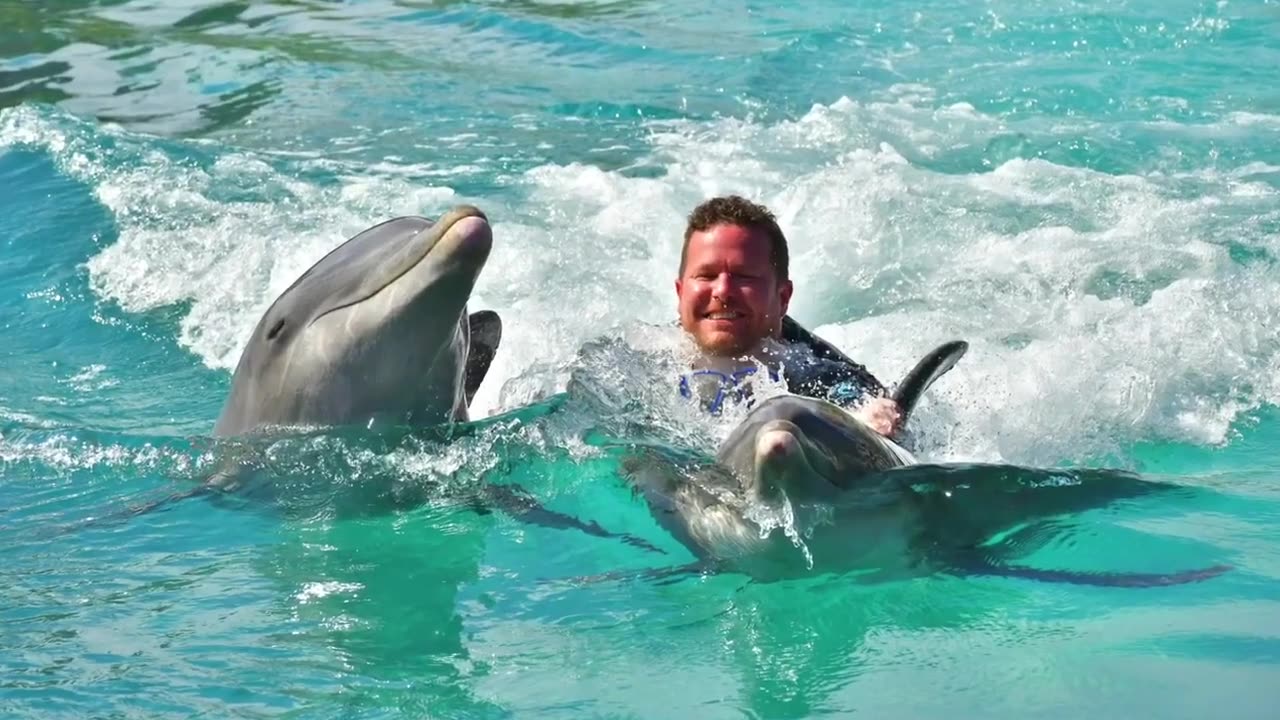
(275, 329)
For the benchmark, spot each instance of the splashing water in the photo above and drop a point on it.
(1089, 194)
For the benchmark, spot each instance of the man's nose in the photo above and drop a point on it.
(722, 286)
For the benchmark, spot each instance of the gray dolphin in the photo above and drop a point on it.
(855, 500)
(376, 331)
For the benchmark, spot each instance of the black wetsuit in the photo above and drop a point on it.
(841, 382)
(811, 367)
(817, 369)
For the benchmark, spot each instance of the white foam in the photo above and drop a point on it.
(65, 452)
(1102, 310)
(316, 590)
(1250, 119)
(89, 379)
(183, 239)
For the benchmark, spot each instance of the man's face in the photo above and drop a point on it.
(729, 295)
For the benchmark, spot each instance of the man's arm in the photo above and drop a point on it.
(880, 414)
(868, 404)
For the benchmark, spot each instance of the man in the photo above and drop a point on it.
(733, 291)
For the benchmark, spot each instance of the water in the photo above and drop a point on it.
(1089, 193)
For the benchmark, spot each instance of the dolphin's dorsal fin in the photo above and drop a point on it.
(930, 368)
(486, 333)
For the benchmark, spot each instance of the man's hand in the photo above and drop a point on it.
(880, 414)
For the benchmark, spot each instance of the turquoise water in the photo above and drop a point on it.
(1088, 192)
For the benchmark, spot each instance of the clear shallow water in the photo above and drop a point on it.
(1088, 193)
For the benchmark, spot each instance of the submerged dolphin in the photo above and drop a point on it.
(376, 331)
(853, 497)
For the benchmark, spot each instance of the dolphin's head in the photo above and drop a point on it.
(377, 329)
(805, 449)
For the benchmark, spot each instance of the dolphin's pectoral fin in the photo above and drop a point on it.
(931, 367)
(978, 564)
(165, 503)
(486, 334)
(513, 500)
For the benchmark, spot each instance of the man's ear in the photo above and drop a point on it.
(678, 283)
(784, 295)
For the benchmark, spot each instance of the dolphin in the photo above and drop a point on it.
(376, 332)
(800, 472)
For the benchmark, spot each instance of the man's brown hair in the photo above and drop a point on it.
(736, 210)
